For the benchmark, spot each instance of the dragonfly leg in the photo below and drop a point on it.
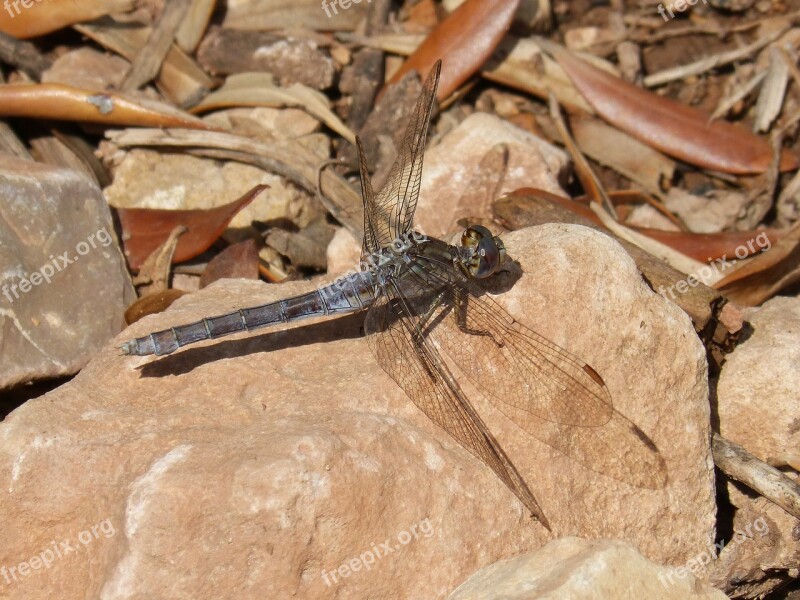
(460, 314)
(425, 318)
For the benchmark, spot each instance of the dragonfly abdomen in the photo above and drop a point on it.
(348, 294)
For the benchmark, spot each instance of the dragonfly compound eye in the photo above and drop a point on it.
(486, 252)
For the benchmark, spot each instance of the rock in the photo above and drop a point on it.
(758, 395)
(88, 69)
(453, 167)
(344, 252)
(227, 51)
(717, 211)
(149, 179)
(760, 553)
(586, 569)
(288, 463)
(64, 281)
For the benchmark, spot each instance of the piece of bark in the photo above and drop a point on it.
(305, 248)
(364, 77)
(180, 79)
(23, 55)
(229, 51)
(388, 118)
(703, 305)
(53, 151)
(151, 56)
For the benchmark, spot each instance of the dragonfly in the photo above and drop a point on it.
(424, 302)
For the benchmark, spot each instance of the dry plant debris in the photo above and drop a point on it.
(223, 136)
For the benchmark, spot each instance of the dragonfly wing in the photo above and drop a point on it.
(548, 392)
(373, 217)
(512, 364)
(418, 369)
(392, 209)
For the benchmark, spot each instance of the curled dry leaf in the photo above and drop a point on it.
(259, 89)
(38, 19)
(701, 247)
(145, 229)
(464, 41)
(67, 103)
(675, 129)
(151, 304)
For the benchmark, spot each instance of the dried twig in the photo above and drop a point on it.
(148, 62)
(588, 178)
(737, 463)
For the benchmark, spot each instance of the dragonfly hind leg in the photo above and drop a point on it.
(460, 315)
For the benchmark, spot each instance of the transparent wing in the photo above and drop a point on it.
(391, 211)
(419, 370)
(549, 393)
(373, 214)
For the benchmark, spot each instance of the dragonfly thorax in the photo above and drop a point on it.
(391, 259)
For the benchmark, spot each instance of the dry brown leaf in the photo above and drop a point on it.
(758, 279)
(39, 18)
(464, 41)
(194, 25)
(145, 229)
(700, 247)
(675, 129)
(151, 304)
(626, 155)
(67, 103)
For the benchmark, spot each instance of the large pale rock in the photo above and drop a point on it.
(288, 463)
(64, 285)
(586, 570)
(758, 394)
(457, 181)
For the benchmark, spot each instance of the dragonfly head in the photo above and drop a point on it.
(483, 253)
